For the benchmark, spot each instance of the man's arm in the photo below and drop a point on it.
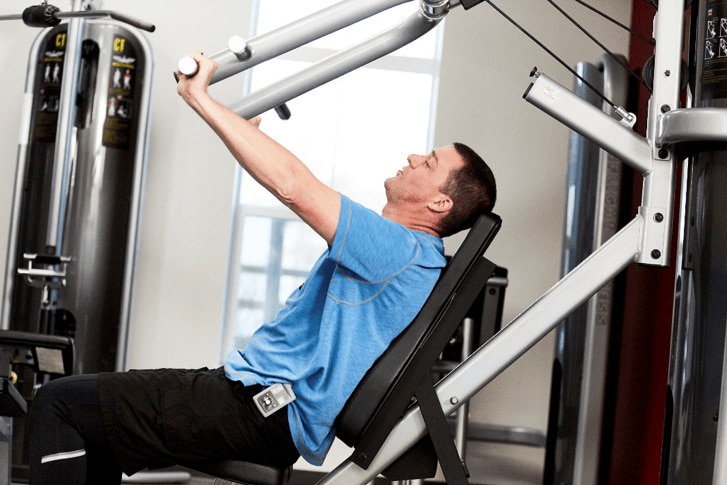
(268, 162)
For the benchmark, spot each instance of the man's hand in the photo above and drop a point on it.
(193, 88)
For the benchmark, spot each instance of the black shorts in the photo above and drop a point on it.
(158, 418)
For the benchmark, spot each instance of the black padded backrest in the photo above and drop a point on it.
(374, 393)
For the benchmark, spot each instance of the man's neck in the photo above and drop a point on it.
(410, 220)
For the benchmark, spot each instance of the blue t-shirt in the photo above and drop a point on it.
(361, 293)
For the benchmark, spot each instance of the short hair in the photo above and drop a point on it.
(472, 189)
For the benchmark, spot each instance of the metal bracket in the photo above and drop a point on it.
(691, 125)
(52, 274)
(434, 9)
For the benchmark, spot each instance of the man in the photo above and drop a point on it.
(368, 286)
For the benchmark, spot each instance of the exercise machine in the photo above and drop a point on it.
(675, 128)
(79, 176)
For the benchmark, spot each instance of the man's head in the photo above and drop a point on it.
(442, 192)
(472, 189)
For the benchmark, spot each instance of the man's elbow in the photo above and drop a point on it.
(291, 194)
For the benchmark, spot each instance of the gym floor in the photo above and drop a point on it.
(488, 463)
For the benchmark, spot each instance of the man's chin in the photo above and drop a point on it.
(387, 187)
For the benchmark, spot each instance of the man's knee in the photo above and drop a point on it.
(56, 396)
(46, 398)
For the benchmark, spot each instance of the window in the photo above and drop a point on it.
(352, 132)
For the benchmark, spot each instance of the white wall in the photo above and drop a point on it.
(185, 221)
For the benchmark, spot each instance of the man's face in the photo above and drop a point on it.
(421, 179)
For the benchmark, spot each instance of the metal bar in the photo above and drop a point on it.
(584, 118)
(657, 204)
(657, 165)
(94, 14)
(279, 41)
(506, 347)
(536, 321)
(511, 435)
(450, 461)
(140, 156)
(334, 66)
(691, 125)
(461, 434)
(592, 391)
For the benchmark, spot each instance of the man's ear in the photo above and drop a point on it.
(441, 203)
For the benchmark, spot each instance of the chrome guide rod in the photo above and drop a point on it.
(334, 66)
(505, 347)
(64, 148)
(593, 387)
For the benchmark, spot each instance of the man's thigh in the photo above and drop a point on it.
(161, 417)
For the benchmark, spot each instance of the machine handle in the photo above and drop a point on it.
(139, 24)
(41, 16)
(235, 44)
(47, 15)
(187, 66)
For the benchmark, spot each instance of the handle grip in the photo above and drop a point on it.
(187, 66)
(41, 16)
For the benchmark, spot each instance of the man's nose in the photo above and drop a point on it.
(414, 160)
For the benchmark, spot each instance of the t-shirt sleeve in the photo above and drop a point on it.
(370, 246)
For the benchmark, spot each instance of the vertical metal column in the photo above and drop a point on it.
(581, 354)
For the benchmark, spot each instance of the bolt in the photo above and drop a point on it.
(655, 254)
(453, 400)
(663, 153)
(659, 217)
(667, 73)
(665, 108)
